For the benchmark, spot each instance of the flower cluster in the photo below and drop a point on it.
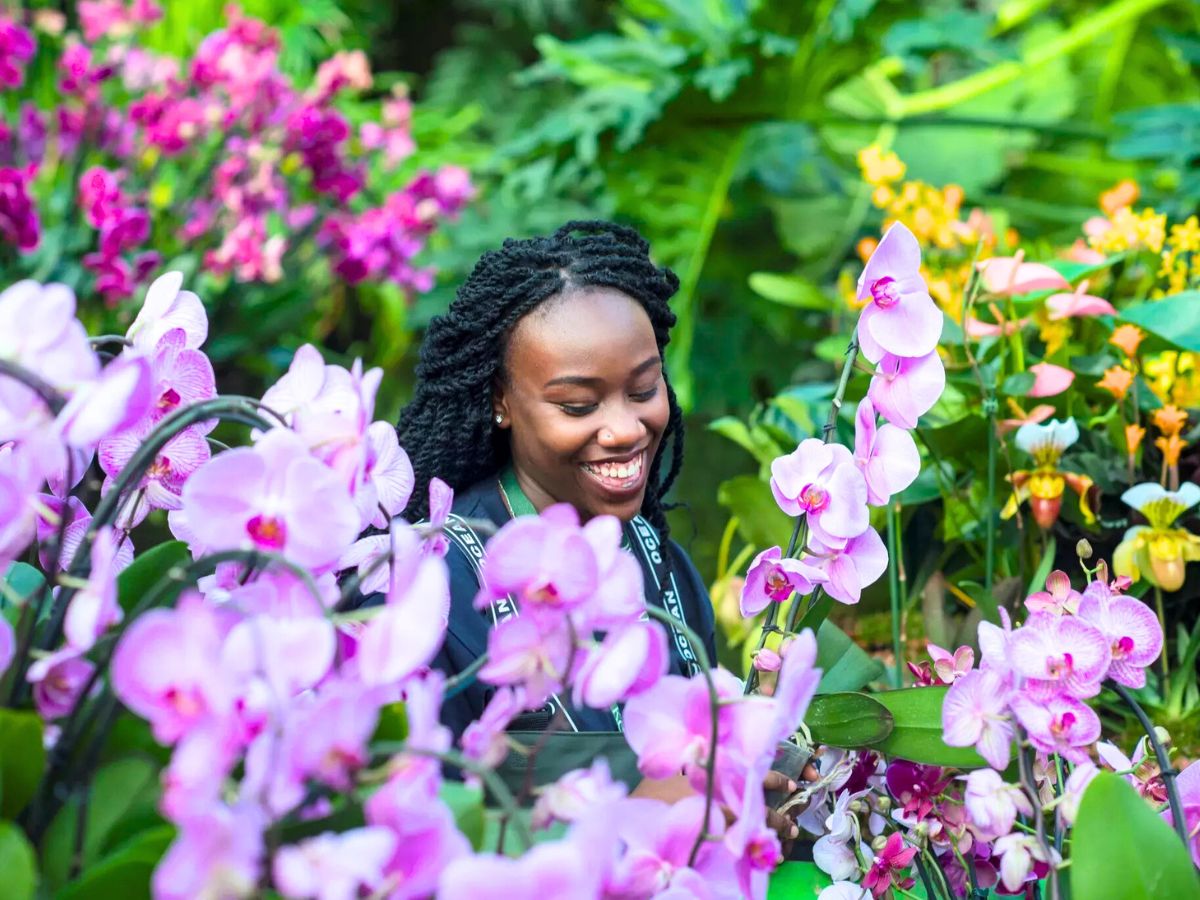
(222, 155)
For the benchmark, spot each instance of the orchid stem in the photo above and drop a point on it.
(1163, 662)
(893, 528)
(1164, 761)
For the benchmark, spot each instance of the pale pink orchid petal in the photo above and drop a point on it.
(1133, 632)
(887, 455)
(904, 389)
(1077, 305)
(167, 306)
(333, 866)
(1011, 275)
(974, 713)
(901, 318)
(627, 662)
(404, 636)
(1060, 724)
(849, 569)
(485, 740)
(94, 608)
(1059, 655)
(1050, 380)
(821, 482)
(115, 401)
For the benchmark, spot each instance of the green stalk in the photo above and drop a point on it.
(1163, 661)
(893, 528)
(1160, 754)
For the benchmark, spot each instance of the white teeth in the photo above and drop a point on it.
(618, 471)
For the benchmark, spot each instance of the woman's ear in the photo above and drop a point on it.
(500, 416)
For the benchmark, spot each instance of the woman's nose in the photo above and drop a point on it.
(623, 428)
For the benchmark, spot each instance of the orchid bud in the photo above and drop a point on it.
(1164, 736)
(1083, 549)
(767, 660)
(879, 842)
(857, 806)
(883, 804)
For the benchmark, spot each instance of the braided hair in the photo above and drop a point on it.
(448, 429)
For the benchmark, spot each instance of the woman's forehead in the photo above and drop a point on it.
(597, 331)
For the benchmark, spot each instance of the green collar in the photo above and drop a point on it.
(520, 505)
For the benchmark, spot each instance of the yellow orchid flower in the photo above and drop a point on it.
(1158, 551)
(1044, 485)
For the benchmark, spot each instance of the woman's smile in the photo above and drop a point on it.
(618, 477)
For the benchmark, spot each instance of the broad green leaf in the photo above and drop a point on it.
(22, 759)
(124, 797)
(789, 290)
(18, 870)
(797, 881)
(21, 580)
(1121, 848)
(125, 873)
(393, 723)
(845, 665)
(760, 520)
(467, 805)
(146, 570)
(984, 599)
(1175, 319)
(917, 729)
(848, 720)
(1018, 384)
(1038, 581)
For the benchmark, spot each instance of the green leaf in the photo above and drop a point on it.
(17, 864)
(760, 520)
(1038, 581)
(124, 874)
(1018, 384)
(22, 759)
(1175, 319)
(467, 805)
(847, 719)
(21, 580)
(797, 881)
(789, 290)
(1121, 848)
(124, 797)
(984, 599)
(146, 570)
(917, 729)
(845, 665)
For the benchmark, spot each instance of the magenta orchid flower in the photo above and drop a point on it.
(1077, 304)
(1058, 598)
(272, 496)
(993, 804)
(887, 455)
(1050, 380)
(1012, 275)
(852, 567)
(58, 682)
(773, 579)
(975, 713)
(751, 843)
(949, 667)
(1059, 655)
(165, 308)
(901, 318)
(182, 377)
(1060, 724)
(627, 662)
(888, 867)
(821, 482)
(334, 866)
(905, 388)
(1132, 630)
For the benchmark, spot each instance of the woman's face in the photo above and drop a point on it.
(585, 402)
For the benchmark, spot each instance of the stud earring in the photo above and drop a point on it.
(499, 419)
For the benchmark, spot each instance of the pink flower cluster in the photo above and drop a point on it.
(224, 156)
(831, 487)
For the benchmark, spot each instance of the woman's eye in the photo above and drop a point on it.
(643, 396)
(573, 410)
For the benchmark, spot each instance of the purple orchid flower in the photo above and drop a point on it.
(388, 477)
(531, 652)
(993, 804)
(58, 681)
(577, 795)
(773, 579)
(404, 636)
(216, 853)
(1132, 630)
(905, 388)
(182, 377)
(852, 567)
(821, 482)
(484, 740)
(112, 402)
(626, 663)
(901, 318)
(1060, 724)
(334, 866)
(975, 713)
(1059, 654)
(272, 496)
(1058, 597)
(887, 455)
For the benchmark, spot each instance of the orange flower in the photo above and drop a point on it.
(1116, 381)
(1123, 193)
(1171, 446)
(1170, 419)
(865, 248)
(1133, 437)
(1126, 338)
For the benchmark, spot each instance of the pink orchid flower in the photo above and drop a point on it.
(272, 496)
(545, 562)
(888, 867)
(388, 477)
(949, 667)
(8, 645)
(1004, 276)
(887, 455)
(216, 853)
(993, 646)
(850, 568)
(1050, 380)
(1059, 655)
(628, 662)
(58, 681)
(182, 377)
(441, 500)
(1132, 630)
(750, 841)
(993, 804)
(114, 401)
(404, 636)
(977, 328)
(1058, 599)
(167, 668)
(167, 307)
(484, 740)
(795, 686)
(901, 318)
(288, 654)
(1019, 855)
(576, 795)
(773, 579)
(975, 713)
(1188, 785)
(1060, 724)
(564, 868)
(161, 485)
(820, 482)
(334, 866)
(903, 389)
(94, 608)
(530, 652)
(1077, 304)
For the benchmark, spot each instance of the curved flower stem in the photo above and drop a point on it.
(49, 394)
(494, 783)
(714, 708)
(456, 684)
(894, 589)
(1025, 768)
(942, 881)
(101, 339)
(799, 531)
(923, 872)
(1164, 761)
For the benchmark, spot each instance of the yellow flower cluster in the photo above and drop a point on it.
(1181, 257)
(1174, 378)
(931, 213)
(1127, 230)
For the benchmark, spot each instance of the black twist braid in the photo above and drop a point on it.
(447, 429)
